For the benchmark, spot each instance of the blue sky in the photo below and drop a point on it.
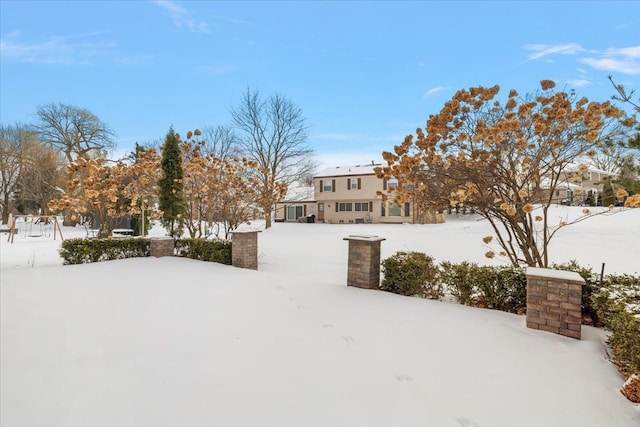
(364, 73)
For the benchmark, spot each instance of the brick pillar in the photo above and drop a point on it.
(161, 246)
(244, 249)
(364, 261)
(553, 301)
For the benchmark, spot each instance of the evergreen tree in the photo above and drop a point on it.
(170, 186)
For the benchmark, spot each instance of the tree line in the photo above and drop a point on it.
(222, 175)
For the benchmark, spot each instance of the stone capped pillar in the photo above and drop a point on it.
(554, 299)
(161, 246)
(244, 249)
(364, 261)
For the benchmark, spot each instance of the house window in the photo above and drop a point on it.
(354, 184)
(407, 209)
(392, 183)
(327, 185)
(394, 210)
(361, 206)
(345, 207)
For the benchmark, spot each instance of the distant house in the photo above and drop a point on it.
(580, 187)
(348, 194)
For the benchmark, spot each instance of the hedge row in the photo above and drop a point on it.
(205, 250)
(81, 251)
(614, 303)
(414, 273)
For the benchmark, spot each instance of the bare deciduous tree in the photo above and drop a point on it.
(273, 133)
(220, 142)
(16, 143)
(76, 132)
(29, 171)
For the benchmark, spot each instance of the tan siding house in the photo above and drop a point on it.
(577, 187)
(348, 194)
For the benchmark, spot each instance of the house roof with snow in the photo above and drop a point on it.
(300, 194)
(367, 169)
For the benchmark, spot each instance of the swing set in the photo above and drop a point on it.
(34, 226)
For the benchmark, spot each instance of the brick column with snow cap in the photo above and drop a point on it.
(554, 300)
(244, 249)
(364, 261)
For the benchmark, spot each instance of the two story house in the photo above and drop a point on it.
(581, 187)
(348, 194)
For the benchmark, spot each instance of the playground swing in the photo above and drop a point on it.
(38, 227)
(34, 226)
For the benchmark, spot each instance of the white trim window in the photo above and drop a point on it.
(392, 183)
(327, 185)
(345, 207)
(361, 206)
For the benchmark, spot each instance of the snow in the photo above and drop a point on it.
(177, 342)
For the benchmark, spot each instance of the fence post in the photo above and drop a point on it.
(161, 246)
(244, 249)
(363, 270)
(554, 300)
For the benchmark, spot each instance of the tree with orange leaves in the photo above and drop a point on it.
(221, 191)
(106, 192)
(505, 161)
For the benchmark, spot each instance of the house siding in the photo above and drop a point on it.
(360, 189)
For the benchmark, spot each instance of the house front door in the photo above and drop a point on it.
(320, 212)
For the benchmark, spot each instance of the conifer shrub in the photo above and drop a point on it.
(411, 273)
(618, 305)
(216, 250)
(81, 251)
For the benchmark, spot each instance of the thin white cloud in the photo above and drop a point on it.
(181, 17)
(432, 91)
(540, 51)
(73, 49)
(579, 82)
(622, 60)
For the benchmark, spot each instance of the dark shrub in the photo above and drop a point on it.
(411, 273)
(80, 251)
(618, 306)
(459, 280)
(205, 250)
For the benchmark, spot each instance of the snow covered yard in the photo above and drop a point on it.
(169, 341)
